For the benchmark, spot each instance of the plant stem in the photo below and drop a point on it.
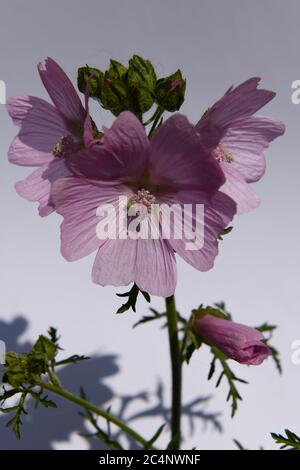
(151, 119)
(176, 364)
(159, 113)
(97, 411)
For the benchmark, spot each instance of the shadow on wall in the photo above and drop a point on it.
(41, 427)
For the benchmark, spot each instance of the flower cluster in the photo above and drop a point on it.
(80, 168)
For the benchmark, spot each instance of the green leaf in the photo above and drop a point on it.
(290, 441)
(103, 436)
(16, 422)
(71, 360)
(155, 437)
(8, 394)
(221, 306)
(42, 400)
(266, 328)
(132, 299)
(147, 318)
(212, 368)
(233, 393)
(193, 343)
(226, 231)
(44, 348)
(8, 409)
(276, 358)
(54, 338)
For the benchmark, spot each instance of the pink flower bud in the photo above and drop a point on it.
(239, 342)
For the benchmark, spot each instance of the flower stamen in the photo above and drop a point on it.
(64, 147)
(143, 197)
(223, 154)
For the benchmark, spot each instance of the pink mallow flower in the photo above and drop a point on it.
(238, 139)
(173, 167)
(239, 342)
(47, 135)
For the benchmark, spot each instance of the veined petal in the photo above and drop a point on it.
(121, 153)
(247, 138)
(240, 191)
(178, 159)
(61, 91)
(41, 127)
(241, 101)
(77, 200)
(114, 264)
(239, 342)
(156, 267)
(202, 232)
(149, 263)
(36, 187)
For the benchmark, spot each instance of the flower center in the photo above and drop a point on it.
(64, 147)
(223, 154)
(143, 197)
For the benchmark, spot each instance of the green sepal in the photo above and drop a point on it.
(132, 298)
(141, 84)
(170, 91)
(114, 94)
(90, 79)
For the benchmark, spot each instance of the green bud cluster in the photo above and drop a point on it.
(135, 88)
(28, 368)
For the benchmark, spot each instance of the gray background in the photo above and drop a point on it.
(215, 43)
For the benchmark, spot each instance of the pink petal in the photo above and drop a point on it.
(88, 136)
(156, 267)
(243, 100)
(41, 127)
(61, 91)
(218, 213)
(88, 132)
(240, 191)
(77, 201)
(36, 187)
(115, 263)
(237, 341)
(247, 138)
(120, 154)
(177, 158)
(148, 263)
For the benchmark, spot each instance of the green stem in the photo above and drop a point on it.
(159, 113)
(97, 411)
(53, 377)
(176, 364)
(151, 119)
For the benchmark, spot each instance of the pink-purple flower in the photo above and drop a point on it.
(173, 167)
(238, 139)
(78, 170)
(48, 134)
(239, 342)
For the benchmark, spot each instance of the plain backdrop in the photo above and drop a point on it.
(215, 43)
